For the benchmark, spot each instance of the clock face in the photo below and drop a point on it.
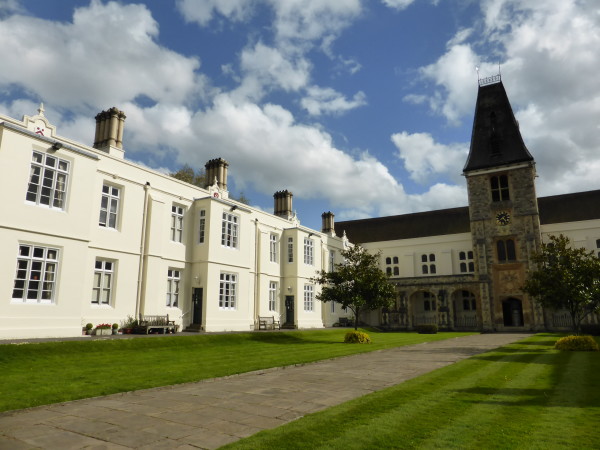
(503, 218)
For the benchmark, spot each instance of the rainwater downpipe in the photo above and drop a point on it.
(138, 299)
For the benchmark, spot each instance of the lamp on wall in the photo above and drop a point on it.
(289, 289)
(57, 146)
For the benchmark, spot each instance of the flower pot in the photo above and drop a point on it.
(103, 331)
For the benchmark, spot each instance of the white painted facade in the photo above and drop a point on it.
(147, 249)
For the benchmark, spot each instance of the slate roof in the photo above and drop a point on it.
(555, 209)
(496, 139)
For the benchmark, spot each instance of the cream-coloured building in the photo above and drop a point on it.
(95, 238)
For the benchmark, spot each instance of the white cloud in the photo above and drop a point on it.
(272, 68)
(203, 11)
(426, 159)
(398, 4)
(328, 101)
(106, 56)
(548, 53)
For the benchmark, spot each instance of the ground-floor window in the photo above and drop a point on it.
(309, 295)
(103, 282)
(227, 291)
(272, 296)
(173, 279)
(35, 279)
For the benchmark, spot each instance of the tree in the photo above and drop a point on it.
(358, 283)
(189, 175)
(565, 278)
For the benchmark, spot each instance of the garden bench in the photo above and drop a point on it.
(268, 323)
(344, 322)
(147, 323)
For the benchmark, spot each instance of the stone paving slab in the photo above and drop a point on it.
(212, 413)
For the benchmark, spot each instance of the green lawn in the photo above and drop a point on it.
(39, 374)
(523, 396)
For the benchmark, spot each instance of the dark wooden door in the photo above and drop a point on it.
(289, 309)
(197, 306)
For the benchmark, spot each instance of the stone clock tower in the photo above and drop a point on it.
(503, 210)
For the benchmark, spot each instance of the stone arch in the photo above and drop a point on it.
(465, 308)
(424, 307)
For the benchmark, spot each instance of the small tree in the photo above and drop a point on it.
(189, 175)
(565, 277)
(358, 283)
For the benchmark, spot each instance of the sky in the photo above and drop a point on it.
(362, 108)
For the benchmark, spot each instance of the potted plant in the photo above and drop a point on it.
(128, 325)
(88, 328)
(115, 328)
(103, 329)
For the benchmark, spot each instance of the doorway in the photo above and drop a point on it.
(289, 310)
(512, 310)
(197, 306)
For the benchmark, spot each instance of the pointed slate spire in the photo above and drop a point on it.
(496, 139)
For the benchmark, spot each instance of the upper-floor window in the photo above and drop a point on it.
(272, 296)
(388, 271)
(229, 231)
(309, 247)
(227, 290)
(331, 260)
(35, 278)
(395, 260)
(466, 262)
(396, 271)
(173, 279)
(109, 206)
(388, 260)
(103, 282)
(428, 264)
(47, 180)
(202, 229)
(500, 191)
(309, 295)
(176, 223)
(506, 250)
(273, 247)
(290, 249)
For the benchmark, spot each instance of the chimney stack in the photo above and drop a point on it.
(283, 204)
(216, 168)
(328, 223)
(109, 129)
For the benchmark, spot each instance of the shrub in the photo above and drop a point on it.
(427, 329)
(89, 326)
(115, 326)
(577, 344)
(591, 329)
(357, 337)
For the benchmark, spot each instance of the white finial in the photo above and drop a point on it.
(41, 110)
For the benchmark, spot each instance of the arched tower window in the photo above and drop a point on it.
(506, 250)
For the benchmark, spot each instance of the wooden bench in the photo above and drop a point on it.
(268, 323)
(345, 322)
(147, 323)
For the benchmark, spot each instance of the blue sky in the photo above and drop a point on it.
(360, 107)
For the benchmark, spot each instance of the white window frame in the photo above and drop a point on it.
(48, 180)
(173, 283)
(273, 245)
(331, 260)
(202, 227)
(230, 230)
(109, 206)
(273, 289)
(177, 212)
(309, 251)
(104, 274)
(290, 249)
(309, 297)
(228, 291)
(36, 274)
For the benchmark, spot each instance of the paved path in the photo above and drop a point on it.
(214, 412)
